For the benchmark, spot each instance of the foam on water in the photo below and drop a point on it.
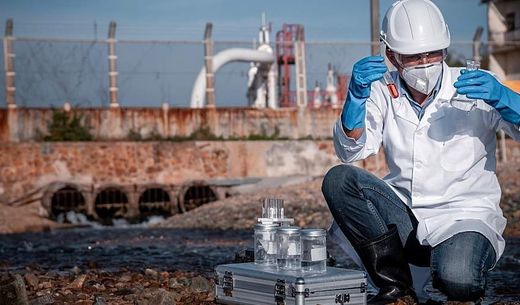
(81, 219)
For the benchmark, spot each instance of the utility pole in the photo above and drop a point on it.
(476, 43)
(374, 26)
(112, 57)
(374, 45)
(10, 88)
(208, 63)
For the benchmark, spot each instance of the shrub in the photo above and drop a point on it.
(66, 127)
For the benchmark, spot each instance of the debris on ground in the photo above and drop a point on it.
(97, 287)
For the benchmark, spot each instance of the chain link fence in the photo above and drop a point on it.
(52, 72)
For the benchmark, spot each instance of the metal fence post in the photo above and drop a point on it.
(476, 43)
(503, 148)
(112, 57)
(10, 88)
(208, 62)
(374, 50)
(374, 27)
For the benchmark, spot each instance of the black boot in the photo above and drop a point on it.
(384, 261)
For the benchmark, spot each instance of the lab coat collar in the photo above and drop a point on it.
(402, 107)
(435, 110)
(439, 105)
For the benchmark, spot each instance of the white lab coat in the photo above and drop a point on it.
(443, 166)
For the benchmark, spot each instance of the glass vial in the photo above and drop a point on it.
(272, 208)
(289, 248)
(314, 250)
(460, 101)
(265, 244)
(273, 212)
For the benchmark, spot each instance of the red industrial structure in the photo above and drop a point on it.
(286, 58)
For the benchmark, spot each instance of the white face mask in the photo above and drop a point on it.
(423, 78)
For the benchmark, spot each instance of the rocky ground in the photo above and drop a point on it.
(96, 287)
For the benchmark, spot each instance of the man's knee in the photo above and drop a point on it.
(338, 177)
(465, 286)
(460, 280)
(460, 264)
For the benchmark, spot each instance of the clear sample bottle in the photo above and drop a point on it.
(289, 248)
(265, 244)
(314, 250)
(460, 101)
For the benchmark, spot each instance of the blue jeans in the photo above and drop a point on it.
(363, 206)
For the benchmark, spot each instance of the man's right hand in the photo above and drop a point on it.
(364, 72)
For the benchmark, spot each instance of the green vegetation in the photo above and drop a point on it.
(205, 134)
(65, 126)
(136, 136)
(201, 134)
(263, 136)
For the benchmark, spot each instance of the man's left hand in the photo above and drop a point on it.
(482, 85)
(479, 85)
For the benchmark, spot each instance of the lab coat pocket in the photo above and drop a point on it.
(458, 154)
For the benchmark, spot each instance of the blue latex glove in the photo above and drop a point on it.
(364, 72)
(482, 85)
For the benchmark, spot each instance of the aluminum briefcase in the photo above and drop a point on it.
(248, 283)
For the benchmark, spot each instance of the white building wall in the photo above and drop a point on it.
(504, 55)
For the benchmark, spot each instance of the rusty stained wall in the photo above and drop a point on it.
(4, 125)
(28, 166)
(25, 167)
(23, 124)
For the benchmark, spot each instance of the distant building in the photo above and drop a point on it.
(504, 40)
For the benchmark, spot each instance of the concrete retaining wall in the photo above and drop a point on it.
(24, 124)
(25, 167)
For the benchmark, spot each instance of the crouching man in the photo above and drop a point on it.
(439, 204)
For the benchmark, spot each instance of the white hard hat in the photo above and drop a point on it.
(414, 26)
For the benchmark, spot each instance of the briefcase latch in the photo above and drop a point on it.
(342, 298)
(227, 283)
(279, 292)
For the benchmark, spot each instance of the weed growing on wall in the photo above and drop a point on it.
(65, 126)
(205, 134)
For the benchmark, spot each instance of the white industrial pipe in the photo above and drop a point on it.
(198, 93)
(331, 89)
(272, 86)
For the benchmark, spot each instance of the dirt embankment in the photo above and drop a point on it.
(306, 204)
(25, 218)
